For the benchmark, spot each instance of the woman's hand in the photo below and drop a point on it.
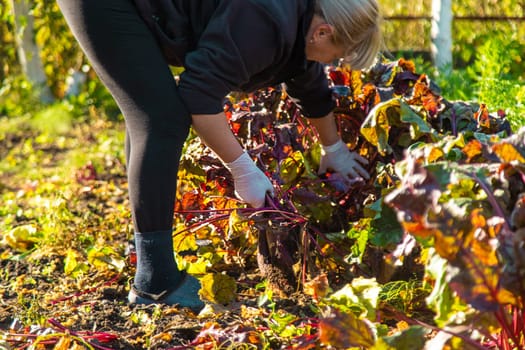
(338, 158)
(251, 184)
(334, 153)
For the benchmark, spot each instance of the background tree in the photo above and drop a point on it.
(31, 29)
(8, 61)
(27, 49)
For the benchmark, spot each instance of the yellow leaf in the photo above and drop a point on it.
(238, 224)
(376, 127)
(218, 288)
(506, 297)
(70, 262)
(381, 345)
(63, 343)
(446, 246)
(473, 149)
(21, 238)
(402, 325)
(197, 266)
(248, 312)
(166, 337)
(507, 152)
(477, 218)
(6, 254)
(435, 154)
(184, 240)
(77, 346)
(96, 258)
(318, 287)
(292, 167)
(485, 251)
(72, 265)
(102, 258)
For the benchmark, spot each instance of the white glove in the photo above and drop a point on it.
(338, 158)
(251, 185)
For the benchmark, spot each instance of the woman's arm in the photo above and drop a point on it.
(251, 184)
(326, 128)
(215, 132)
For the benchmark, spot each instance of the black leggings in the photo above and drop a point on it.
(126, 57)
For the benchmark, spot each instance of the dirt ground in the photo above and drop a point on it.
(103, 310)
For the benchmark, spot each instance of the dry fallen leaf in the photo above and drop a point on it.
(218, 288)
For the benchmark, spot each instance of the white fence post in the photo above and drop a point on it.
(441, 34)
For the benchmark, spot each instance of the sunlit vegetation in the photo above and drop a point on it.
(429, 252)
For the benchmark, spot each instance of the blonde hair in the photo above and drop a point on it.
(357, 26)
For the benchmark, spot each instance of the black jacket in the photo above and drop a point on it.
(238, 45)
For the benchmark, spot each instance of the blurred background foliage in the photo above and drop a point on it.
(407, 25)
(62, 60)
(487, 55)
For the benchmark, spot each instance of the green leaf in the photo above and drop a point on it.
(441, 299)
(282, 323)
(418, 126)
(292, 167)
(360, 296)
(413, 338)
(376, 127)
(382, 345)
(459, 117)
(385, 230)
(360, 234)
(394, 114)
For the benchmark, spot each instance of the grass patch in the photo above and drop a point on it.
(54, 120)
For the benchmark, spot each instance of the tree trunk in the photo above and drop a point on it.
(441, 34)
(27, 49)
